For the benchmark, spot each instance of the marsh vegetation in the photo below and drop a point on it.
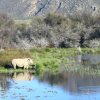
(46, 58)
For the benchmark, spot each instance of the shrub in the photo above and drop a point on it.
(54, 19)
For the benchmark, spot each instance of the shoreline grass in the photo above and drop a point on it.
(43, 58)
(11, 70)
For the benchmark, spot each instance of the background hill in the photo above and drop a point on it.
(27, 8)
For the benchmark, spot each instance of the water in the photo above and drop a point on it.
(65, 86)
(62, 85)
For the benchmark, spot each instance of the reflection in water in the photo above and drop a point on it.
(83, 61)
(50, 86)
(89, 59)
(4, 81)
(92, 60)
(72, 82)
(23, 76)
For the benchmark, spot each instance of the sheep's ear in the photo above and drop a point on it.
(28, 59)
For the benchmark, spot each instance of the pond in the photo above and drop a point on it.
(62, 85)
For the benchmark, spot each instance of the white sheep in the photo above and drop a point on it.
(24, 62)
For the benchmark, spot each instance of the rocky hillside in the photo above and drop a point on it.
(27, 8)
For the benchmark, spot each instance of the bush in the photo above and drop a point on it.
(7, 31)
(85, 18)
(54, 19)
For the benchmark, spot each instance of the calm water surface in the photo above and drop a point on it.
(52, 86)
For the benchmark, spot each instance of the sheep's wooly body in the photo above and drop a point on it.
(25, 62)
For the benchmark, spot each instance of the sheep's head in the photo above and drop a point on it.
(30, 61)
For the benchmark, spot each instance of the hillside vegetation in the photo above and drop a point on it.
(51, 31)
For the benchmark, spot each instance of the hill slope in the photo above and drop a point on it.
(27, 8)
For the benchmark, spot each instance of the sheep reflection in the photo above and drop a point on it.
(23, 76)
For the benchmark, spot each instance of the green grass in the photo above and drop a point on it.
(43, 58)
(50, 58)
(5, 70)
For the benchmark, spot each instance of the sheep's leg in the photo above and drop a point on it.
(24, 67)
(14, 66)
(27, 67)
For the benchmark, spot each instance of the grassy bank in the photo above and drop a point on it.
(48, 58)
(42, 58)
